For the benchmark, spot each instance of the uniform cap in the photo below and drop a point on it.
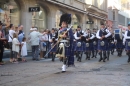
(65, 18)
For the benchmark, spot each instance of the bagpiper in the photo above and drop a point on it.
(89, 44)
(80, 42)
(119, 41)
(53, 39)
(65, 38)
(109, 47)
(102, 35)
(95, 44)
(127, 42)
(112, 44)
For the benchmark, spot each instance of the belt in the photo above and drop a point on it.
(64, 41)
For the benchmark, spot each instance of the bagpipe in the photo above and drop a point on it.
(59, 39)
(83, 39)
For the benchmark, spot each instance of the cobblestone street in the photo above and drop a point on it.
(115, 72)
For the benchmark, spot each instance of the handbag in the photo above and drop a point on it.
(44, 44)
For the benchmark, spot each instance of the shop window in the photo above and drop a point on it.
(39, 19)
(58, 15)
(9, 12)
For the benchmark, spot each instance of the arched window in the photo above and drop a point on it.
(75, 21)
(58, 15)
(39, 19)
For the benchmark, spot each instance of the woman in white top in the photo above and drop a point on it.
(11, 32)
(15, 47)
(43, 40)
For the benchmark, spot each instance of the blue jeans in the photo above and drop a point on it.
(35, 51)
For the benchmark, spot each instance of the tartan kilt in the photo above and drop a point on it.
(112, 45)
(109, 46)
(103, 48)
(119, 45)
(90, 48)
(95, 47)
(54, 49)
(69, 50)
(81, 48)
(70, 53)
(127, 47)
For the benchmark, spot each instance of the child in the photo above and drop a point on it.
(15, 47)
(23, 49)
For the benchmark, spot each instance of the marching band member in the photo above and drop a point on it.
(53, 37)
(119, 45)
(89, 44)
(95, 44)
(127, 39)
(109, 43)
(80, 38)
(112, 44)
(102, 35)
(65, 49)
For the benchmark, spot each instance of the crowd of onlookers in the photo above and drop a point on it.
(13, 38)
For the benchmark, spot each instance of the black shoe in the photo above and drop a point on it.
(63, 71)
(92, 57)
(100, 59)
(37, 59)
(33, 59)
(89, 58)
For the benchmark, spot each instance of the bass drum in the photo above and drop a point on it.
(118, 34)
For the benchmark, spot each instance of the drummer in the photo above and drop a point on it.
(127, 39)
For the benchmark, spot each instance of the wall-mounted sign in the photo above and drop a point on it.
(34, 9)
(89, 22)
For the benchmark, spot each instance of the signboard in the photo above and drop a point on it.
(34, 9)
(90, 22)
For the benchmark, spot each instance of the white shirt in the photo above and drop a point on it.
(75, 35)
(11, 32)
(43, 37)
(108, 34)
(125, 36)
(15, 47)
(50, 39)
(34, 38)
(92, 37)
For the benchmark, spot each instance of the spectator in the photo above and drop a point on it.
(34, 39)
(23, 49)
(1, 45)
(15, 47)
(21, 33)
(43, 40)
(48, 43)
(11, 32)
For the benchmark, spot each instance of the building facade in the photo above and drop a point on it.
(118, 13)
(86, 13)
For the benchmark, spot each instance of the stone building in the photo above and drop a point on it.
(86, 13)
